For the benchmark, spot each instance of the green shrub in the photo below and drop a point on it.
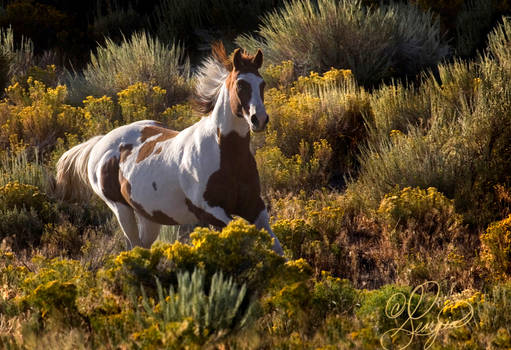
(396, 107)
(4, 72)
(377, 305)
(25, 211)
(178, 19)
(46, 24)
(374, 43)
(22, 167)
(493, 310)
(139, 59)
(334, 296)
(212, 312)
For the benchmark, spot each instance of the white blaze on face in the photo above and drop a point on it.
(255, 106)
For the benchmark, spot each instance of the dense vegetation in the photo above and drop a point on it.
(385, 166)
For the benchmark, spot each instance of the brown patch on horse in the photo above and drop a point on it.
(158, 216)
(109, 181)
(125, 151)
(125, 188)
(203, 216)
(239, 92)
(235, 186)
(148, 146)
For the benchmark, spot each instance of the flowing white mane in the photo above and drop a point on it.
(210, 77)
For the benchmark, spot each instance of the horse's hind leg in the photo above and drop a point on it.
(126, 218)
(149, 231)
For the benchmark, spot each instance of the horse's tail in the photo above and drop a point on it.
(72, 181)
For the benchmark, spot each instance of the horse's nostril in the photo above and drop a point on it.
(253, 119)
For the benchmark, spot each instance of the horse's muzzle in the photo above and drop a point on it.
(256, 124)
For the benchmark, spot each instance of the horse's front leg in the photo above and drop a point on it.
(263, 222)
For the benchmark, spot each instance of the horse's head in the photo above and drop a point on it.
(246, 89)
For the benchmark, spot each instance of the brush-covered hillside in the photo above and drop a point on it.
(386, 169)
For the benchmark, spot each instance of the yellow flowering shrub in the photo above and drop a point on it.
(312, 227)
(239, 250)
(321, 112)
(141, 101)
(456, 307)
(14, 194)
(37, 115)
(296, 235)
(179, 117)
(279, 75)
(427, 213)
(47, 75)
(55, 286)
(303, 304)
(100, 116)
(496, 248)
(334, 76)
(305, 170)
(11, 276)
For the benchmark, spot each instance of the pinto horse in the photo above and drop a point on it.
(150, 175)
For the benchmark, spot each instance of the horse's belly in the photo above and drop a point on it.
(162, 201)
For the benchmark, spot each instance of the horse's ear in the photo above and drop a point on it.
(258, 59)
(237, 60)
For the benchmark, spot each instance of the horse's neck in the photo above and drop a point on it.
(223, 118)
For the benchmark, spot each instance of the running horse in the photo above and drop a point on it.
(150, 175)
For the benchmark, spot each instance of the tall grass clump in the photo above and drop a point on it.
(141, 58)
(16, 58)
(375, 43)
